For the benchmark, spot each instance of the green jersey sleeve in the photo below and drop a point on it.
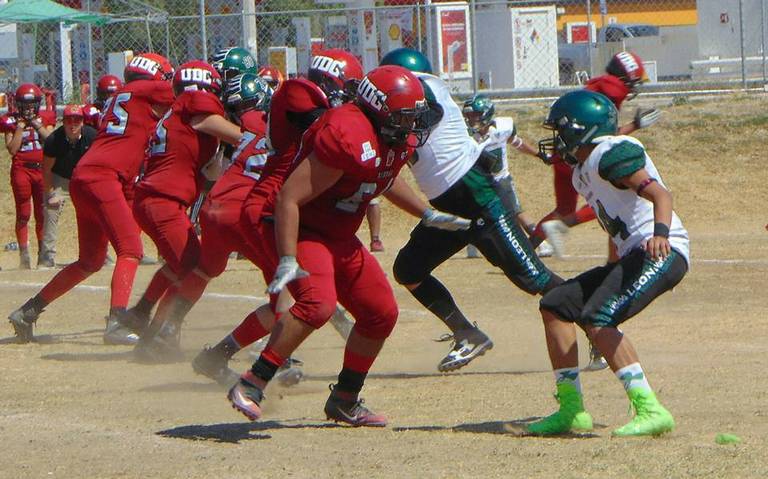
(621, 160)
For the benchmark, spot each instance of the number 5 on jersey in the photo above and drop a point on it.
(116, 107)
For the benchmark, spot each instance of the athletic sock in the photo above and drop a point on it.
(435, 297)
(66, 279)
(227, 347)
(568, 376)
(584, 214)
(249, 330)
(35, 304)
(122, 280)
(267, 365)
(156, 288)
(350, 382)
(192, 286)
(632, 377)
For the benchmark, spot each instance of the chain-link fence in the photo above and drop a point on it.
(511, 48)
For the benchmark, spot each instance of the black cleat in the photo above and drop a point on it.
(214, 366)
(161, 347)
(467, 345)
(351, 412)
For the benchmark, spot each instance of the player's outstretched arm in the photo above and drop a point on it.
(653, 191)
(311, 178)
(218, 126)
(403, 196)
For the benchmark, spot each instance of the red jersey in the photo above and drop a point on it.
(344, 138)
(31, 149)
(126, 125)
(610, 86)
(247, 161)
(177, 151)
(294, 95)
(91, 115)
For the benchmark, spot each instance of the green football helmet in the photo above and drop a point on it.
(577, 118)
(478, 112)
(409, 58)
(247, 92)
(233, 61)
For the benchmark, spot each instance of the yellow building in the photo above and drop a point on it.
(657, 12)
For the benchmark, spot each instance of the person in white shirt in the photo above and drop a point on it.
(494, 134)
(457, 177)
(620, 182)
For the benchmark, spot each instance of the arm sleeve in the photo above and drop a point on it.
(621, 160)
(49, 147)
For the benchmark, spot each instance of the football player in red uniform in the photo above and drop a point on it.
(107, 86)
(334, 75)
(624, 73)
(184, 143)
(350, 155)
(98, 189)
(25, 132)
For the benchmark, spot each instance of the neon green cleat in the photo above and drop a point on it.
(570, 417)
(651, 418)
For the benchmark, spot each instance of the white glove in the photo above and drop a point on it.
(444, 221)
(646, 118)
(287, 271)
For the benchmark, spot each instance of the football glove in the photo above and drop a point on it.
(646, 118)
(287, 270)
(444, 221)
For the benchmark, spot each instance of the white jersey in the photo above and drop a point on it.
(450, 151)
(626, 217)
(495, 142)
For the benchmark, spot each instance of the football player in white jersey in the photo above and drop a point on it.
(457, 177)
(494, 134)
(621, 183)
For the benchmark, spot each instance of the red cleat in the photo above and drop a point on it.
(246, 397)
(351, 412)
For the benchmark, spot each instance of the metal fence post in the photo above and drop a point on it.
(473, 39)
(203, 33)
(743, 47)
(89, 30)
(589, 35)
(762, 30)
(418, 24)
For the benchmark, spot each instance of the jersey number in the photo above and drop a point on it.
(116, 105)
(160, 140)
(614, 226)
(352, 203)
(255, 163)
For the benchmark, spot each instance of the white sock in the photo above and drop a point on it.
(568, 376)
(632, 376)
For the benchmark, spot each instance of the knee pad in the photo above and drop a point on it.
(406, 269)
(379, 326)
(315, 314)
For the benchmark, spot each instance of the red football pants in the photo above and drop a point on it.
(221, 235)
(103, 216)
(166, 222)
(27, 186)
(339, 270)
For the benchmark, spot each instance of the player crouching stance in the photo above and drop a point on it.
(351, 154)
(621, 183)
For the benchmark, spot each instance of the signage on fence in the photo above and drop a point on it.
(454, 47)
(396, 27)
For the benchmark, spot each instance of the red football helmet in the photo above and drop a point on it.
(197, 75)
(148, 66)
(337, 73)
(28, 97)
(73, 111)
(394, 99)
(628, 67)
(272, 75)
(107, 86)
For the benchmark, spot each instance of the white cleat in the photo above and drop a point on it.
(556, 232)
(545, 250)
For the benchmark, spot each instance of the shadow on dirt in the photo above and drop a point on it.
(515, 428)
(69, 338)
(235, 432)
(430, 375)
(187, 386)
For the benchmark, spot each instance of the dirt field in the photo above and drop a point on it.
(72, 407)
